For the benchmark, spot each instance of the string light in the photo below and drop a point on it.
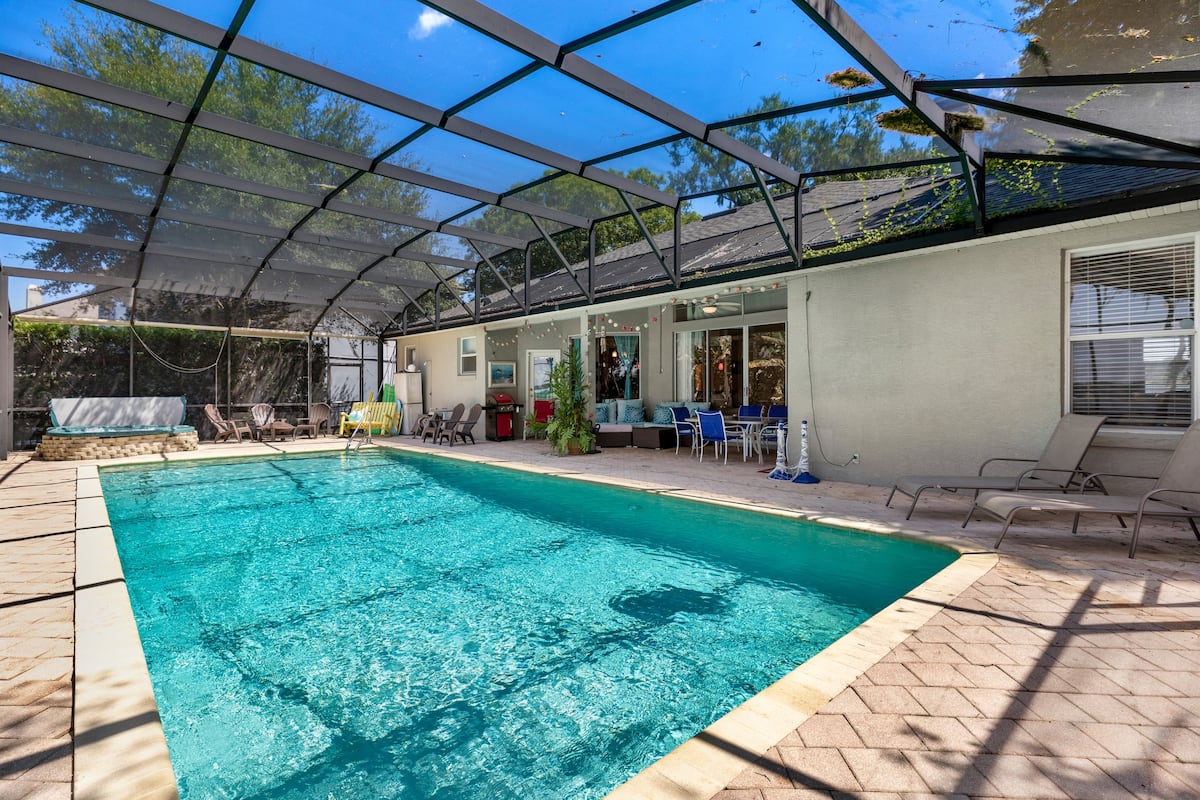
(600, 323)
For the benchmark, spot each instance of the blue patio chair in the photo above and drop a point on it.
(769, 436)
(714, 431)
(751, 413)
(683, 429)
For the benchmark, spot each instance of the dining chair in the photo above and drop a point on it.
(714, 431)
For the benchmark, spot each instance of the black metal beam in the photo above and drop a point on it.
(1073, 123)
(508, 32)
(500, 277)
(561, 258)
(1047, 81)
(847, 33)
(770, 201)
(1107, 161)
(67, 277)
(646, 235)
(971, 182)
(113, 95)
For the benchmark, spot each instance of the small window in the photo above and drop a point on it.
(1132, 332)
(467, 356)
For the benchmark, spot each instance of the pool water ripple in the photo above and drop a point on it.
(391, 625)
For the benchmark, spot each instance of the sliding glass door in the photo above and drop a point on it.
(728, 367)
(766, 366)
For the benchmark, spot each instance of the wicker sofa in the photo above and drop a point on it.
(617, 427)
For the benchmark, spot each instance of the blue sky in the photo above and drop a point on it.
(712, 60)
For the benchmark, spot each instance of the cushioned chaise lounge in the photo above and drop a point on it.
(1176, 493)
(1056, 470)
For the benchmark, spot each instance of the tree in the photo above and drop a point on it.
(128, 54)
(848, 138)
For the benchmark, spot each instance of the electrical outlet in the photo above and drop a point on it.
(854, 458)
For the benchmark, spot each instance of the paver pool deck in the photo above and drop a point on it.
(1057, 668)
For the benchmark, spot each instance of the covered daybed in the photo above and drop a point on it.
(115, 427)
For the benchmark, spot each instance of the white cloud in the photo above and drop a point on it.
(427, 23)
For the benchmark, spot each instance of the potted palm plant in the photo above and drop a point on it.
(569, 429)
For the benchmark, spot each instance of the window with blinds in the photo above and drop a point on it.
(1132, 332)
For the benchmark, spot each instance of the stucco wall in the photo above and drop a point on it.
(935, 361)
(926, 362)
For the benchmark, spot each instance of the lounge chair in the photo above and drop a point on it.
(465, 428)
(318, 417)
(422, 423)
(444, 428)
(1056, 470)
(263, 415)
(1176, 493)
(225, 428)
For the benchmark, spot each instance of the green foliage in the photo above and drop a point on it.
(1028, 185)
(570, 424)
(903, 120)
(127, 54)
(849, 79)
(950, 208)
(56, 360)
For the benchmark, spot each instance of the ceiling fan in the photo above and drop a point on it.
(716, 304)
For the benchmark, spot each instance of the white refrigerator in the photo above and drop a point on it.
(409, 395)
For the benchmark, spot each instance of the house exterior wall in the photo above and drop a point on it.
(926, 362)
(935, 361)
(437, 358)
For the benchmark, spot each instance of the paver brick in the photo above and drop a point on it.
(819, 768)
(888, 771)
(1080, 778)
(1015, 776)
(1124, 741)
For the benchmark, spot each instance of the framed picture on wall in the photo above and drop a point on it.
(501, 374)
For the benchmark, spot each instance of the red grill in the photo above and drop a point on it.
(500, 410)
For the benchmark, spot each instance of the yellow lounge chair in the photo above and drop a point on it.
(380, 417)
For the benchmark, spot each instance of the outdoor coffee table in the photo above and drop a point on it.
(277, 429)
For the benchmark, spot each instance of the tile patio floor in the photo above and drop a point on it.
(1066, 671)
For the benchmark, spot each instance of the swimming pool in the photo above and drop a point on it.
(363, 626)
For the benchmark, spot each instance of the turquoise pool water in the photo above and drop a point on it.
(383, 625)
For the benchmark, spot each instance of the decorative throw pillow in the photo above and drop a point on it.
(663, 415)
(634, 413)
(694, 407)
(623, 404)
(601, 412)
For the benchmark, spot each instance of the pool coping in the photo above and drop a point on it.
(120, 746)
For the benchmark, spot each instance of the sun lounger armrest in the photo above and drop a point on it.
(1070, 473)
(1012, 460)
(1150, 496)
(1096, 475)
